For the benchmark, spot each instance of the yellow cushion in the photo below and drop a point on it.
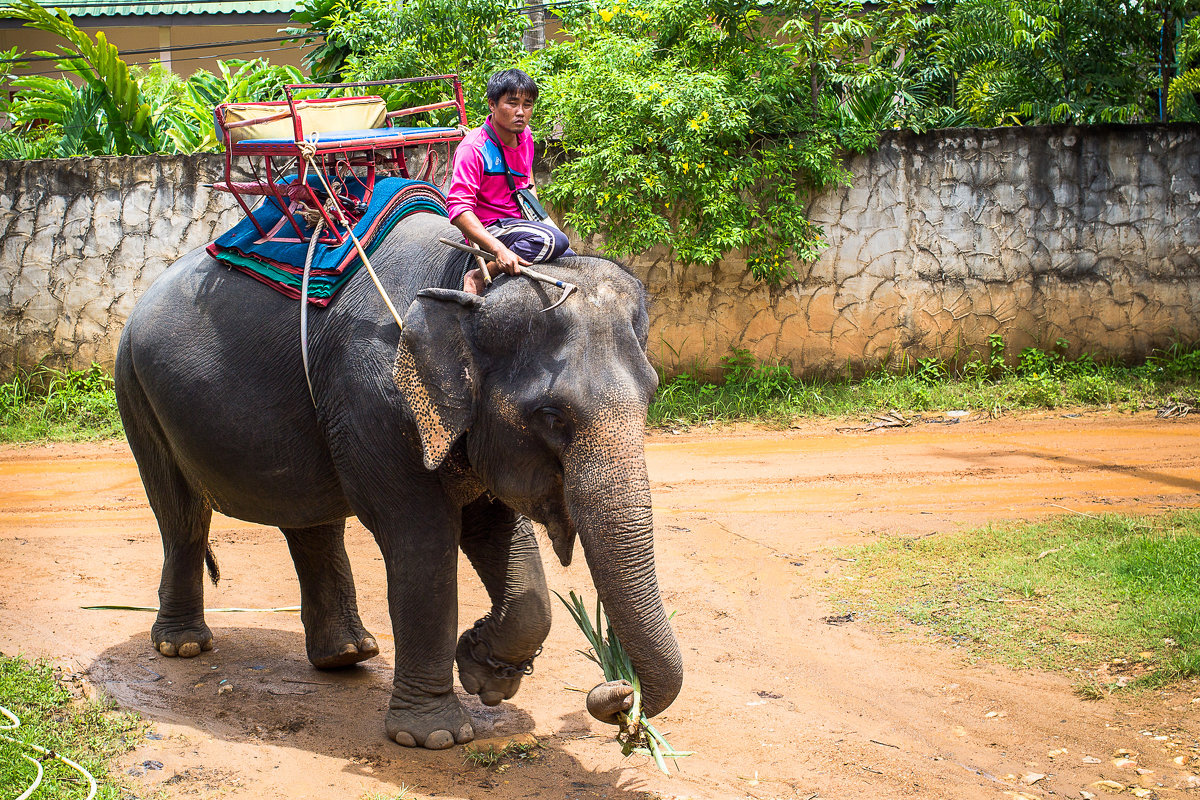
(350, 114)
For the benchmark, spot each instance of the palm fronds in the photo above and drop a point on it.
(636, 734)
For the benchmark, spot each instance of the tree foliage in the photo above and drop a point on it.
(695, 124)
(107, 114)
(1032, 61)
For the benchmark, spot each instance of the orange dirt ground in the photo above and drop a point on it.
(776, 704)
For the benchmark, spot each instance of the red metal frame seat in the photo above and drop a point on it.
(345, 138)
(380, 137)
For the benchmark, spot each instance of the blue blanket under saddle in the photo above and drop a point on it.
(280, 264)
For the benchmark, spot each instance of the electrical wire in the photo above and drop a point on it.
(171, 49)
(47, 753)
(222, 56)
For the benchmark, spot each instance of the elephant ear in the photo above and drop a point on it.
(435, 369)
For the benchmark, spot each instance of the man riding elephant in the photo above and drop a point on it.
(492, 165)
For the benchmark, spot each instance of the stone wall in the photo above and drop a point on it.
(1086, 234)
(83, 238)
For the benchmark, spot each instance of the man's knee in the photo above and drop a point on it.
(561, 245)
(534, 241)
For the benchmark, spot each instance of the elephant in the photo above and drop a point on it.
(482, 414)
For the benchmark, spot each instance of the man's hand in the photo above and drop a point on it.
(508, 262)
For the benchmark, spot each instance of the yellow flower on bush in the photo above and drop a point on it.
(685, 166)
(606, 15)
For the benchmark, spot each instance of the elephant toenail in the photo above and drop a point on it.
(348, 649)
(405, 738)
(439, 740)
(491, 698)
(368, 645)
(189, 650)
(465, 734)
(206, 644)
(167, 649)
(469, 682)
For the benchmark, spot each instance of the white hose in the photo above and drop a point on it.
(48, 753)
(36, 781)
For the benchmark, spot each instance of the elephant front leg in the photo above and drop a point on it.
(334, 635)
(494, 655)
(422, 566)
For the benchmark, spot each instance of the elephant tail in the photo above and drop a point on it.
(214, 572)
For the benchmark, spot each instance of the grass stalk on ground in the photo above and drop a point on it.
(86, 732)
(1115, 598)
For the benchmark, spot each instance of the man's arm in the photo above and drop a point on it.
(506, 260)
(460, 201)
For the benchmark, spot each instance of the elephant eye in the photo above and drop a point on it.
(554, 420)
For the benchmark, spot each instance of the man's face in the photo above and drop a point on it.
(511, 112)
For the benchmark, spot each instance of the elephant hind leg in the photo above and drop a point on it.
(334, 635)
(183, 522)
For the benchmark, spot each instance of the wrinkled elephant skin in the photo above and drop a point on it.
(483, 415)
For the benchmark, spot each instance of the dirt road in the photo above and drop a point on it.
(776, 703)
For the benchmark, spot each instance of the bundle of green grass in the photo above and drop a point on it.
(635, 734)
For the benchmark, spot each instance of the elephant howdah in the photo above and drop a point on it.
(483, 415)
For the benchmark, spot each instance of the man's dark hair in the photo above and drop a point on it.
(511, 81)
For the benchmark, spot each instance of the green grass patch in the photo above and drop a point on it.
(46, 404)
(1115, 597)
(499, 760)
(88, 733)
(770, 394)
(402, 793)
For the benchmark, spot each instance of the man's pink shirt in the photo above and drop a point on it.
(478, 184)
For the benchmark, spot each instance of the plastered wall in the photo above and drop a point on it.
(1086, 234)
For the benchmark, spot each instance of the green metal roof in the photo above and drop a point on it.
(144, 8)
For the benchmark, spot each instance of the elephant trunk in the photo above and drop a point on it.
(608, 497)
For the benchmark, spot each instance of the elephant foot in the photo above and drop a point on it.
(482, 674)
(342, 651)
(441, 724)
(184, 641)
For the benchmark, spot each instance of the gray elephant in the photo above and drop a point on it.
(483, 414)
